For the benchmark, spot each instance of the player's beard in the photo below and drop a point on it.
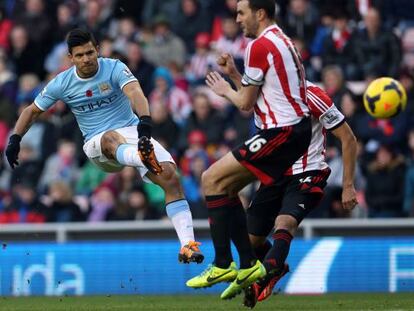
(89, 70)
(250, 30)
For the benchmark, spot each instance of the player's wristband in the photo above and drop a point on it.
(144, 126)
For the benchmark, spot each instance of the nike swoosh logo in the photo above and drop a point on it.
(239, 281)
(212, 279)
(70, 97)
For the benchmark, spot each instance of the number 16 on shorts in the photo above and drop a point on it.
(255, 143)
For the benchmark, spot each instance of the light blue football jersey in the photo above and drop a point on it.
(98, 102)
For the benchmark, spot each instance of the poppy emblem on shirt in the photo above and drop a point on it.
(89, 93)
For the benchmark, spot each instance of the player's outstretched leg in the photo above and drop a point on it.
(245, 277)
(213, 275)
(179, 212)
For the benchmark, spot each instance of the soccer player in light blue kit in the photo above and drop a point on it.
(103, 95)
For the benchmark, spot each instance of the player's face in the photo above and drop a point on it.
(85, 58)
(247, 20)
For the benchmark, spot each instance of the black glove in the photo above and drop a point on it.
(12, 150)
(144, 127)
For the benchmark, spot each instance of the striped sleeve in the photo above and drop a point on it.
(322, 108)
(255, 64)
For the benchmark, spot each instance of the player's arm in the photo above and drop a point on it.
(227, 66)
(139, 102)
(244, 98)
(140, 106)
(349, 158)
(25, 120)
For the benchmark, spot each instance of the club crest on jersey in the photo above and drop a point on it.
(105, 88)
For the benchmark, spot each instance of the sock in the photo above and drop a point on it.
(218, 217)
(180, 215)
(127, 154)
(276, 256)
(240, 235)
(261, 250)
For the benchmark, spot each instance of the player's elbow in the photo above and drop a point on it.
(246, 106)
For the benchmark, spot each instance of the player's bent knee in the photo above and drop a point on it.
(286, 222)
(110, 142)
(210, 183)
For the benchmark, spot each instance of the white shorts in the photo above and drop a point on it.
(93, 151)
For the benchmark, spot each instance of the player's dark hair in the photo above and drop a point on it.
(77, 37)
(268, 6)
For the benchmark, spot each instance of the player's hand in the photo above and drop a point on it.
(216, 82)
(349, 200)
(13, 149)
(226, 63)
(147, 155)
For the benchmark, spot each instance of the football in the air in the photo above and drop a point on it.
(384, 98)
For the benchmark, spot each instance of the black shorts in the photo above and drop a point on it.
(295, 195)
(271, 152)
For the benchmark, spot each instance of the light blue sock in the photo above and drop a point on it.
(127, 154)
(180, 215)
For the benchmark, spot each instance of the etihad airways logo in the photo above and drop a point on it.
(92, 106)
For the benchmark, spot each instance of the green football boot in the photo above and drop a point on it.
(213, 275)
(244, 278)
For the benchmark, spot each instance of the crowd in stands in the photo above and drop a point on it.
(170, 45)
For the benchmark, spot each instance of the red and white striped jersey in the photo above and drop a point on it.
(325, 116)
(272, 62)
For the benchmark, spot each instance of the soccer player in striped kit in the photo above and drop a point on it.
(274, 85)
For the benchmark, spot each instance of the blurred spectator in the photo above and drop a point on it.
(38, 26)
(121, 183)
(103, 200)
(189, 21)
(409, 178)
(124, 31)
(8, 91)
(24, 207)
(165, 47)
(334, 83)
(61, 207)
(202, 61)
(90, 177)
(198, 163)
(94, 18)
(377, 50)
(5, 28)
(337, 48)
(197, 142)
(154, 8)
(231, 41)
(322, 32)
(23, 53)
(135, 208)
(29, 169)
(164, 130)
(384, 192)
(106, 47)
(228, 8)
(407, 81)
(139, 66)
(61, 166)
(65, 22)
(239, 127)
(301, 21)
(201, 118)
(173, 98)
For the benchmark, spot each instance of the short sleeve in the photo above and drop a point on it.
(49, 95)
(122, 75)
(322, 107)
(256, 64)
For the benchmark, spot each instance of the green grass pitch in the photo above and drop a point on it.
(328, 302)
